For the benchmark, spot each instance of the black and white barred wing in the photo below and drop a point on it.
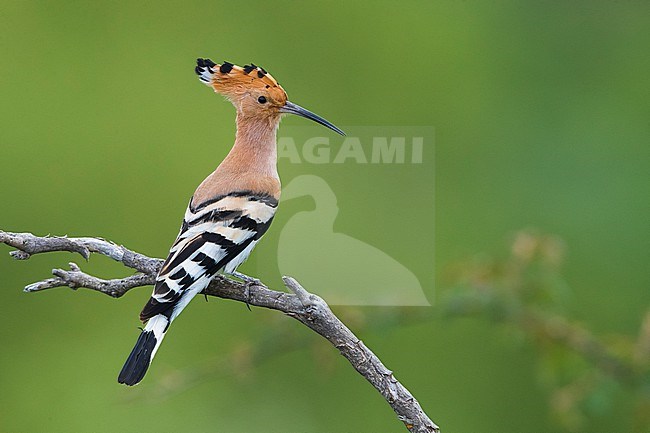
(217, 235)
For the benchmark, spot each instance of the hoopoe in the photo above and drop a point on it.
(229, 211)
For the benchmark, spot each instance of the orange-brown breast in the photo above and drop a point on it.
(222, 182)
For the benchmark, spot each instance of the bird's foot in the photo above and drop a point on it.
(247, 296)
(249, 281)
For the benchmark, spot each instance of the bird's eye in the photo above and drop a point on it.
(261, 100)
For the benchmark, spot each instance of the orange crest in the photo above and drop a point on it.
(235, 81)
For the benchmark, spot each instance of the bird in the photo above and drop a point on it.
(385, 280)
(229, 211)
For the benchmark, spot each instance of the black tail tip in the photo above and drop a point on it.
(137, 363)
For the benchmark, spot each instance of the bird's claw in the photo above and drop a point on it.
(248, 280)
(248, 283)
(247, 296)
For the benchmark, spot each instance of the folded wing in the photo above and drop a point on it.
(216, 235)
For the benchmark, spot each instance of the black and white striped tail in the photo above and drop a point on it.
(138, 362)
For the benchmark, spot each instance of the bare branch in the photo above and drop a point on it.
(307, 308)
(317, 315)
(75, 278)
(28, 245)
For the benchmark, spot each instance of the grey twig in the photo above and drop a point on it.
(307, 308)
(27, 245)
(75, 278)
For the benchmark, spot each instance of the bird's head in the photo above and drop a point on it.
(253, 91)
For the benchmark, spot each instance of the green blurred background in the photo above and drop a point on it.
(541, 115)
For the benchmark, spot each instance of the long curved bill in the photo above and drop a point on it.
(291, 108)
